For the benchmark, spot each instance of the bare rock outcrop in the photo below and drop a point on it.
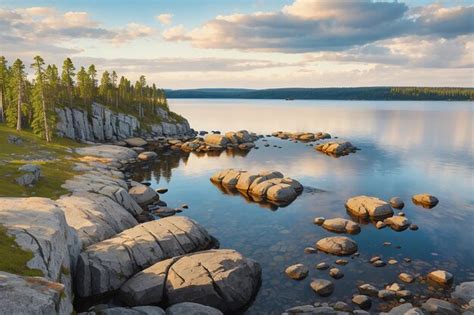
(105, 266)
(223, 279)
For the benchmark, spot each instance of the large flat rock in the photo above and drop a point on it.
(107, 151)
(105, 266)
(337, 245)
(223, 279)
(32, 295)
(95, 217)
(112, 187)
(39, 226)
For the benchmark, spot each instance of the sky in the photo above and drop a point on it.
(251, 43)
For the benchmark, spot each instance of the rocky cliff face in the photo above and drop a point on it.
(104, 125)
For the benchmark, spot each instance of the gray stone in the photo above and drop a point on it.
(368, 289)
(336, 273)
(340, 225)
(387, 294)
(32, 176)
(164, 212)
(147, 156)
(464, 292)
(108, 152)
(363, 301)
(336, 148)
(223, 279)
(397, 203)
(190, 308)
(105, 266)
(319, 220)
(135, 142)
(322, 266)
(439, 307)
(143, 195)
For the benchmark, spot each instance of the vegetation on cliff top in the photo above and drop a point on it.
(31, 104)
(55, 159)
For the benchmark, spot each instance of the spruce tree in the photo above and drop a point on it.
(17, 86)
(3, 86)
(40, 122)
(67, 78)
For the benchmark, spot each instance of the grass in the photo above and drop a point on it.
(14, 258)
(54, 159)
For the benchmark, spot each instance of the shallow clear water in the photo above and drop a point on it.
(406, 148)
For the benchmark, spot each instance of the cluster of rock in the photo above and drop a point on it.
(104, 125)
(242, 140)
(336, 148)
(90, 242)
(188, 308)
(31, 176)
(301, 136)
(270, 186)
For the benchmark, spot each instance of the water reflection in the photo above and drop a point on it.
(407, 148)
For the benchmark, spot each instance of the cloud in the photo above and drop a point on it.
(164, 18)
(323, 25)
(56, 32)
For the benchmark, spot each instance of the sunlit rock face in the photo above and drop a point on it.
(105, 266)
(102, 125)
(221, 278)
(268, 186)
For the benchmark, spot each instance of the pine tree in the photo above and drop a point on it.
(17, 86)
(83, 84)
(53, 85)
(104, 86)
(3, 86)
(40, 123)
(93, 82)
(114, 87)
(67, 78)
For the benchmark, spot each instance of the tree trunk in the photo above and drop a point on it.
(18, 116)
(2, 115)
(46, 126)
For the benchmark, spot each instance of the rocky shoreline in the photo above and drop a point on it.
(90, 244)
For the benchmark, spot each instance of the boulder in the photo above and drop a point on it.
(163, 212)
(190, 308)
(297, 272)
(50, 246)
(105, 266)
(336, 273)
(336, 148)
(340, 225)
(425, 200)
(147, 156)
(406, 277)
(397, 223)
(143, 194)
(231, 178)
(95, 217)
(216, 140)
(281, 193)
(437, 306)
(110, 152)
(32, 295)
(363, 301)
(397, 203)
(219, 176)
(368, 289)
(135, 142)
(32, 176)
(245, 180)
(464, 292)
(322, 287)
(404, 309)
(223, 279)
(114, 188)
(441, 277)
(337, 245)
(365, 206)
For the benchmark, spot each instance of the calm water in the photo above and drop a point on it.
(406, 148)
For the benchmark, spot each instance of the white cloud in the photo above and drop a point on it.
(164, 18)
(176, 33)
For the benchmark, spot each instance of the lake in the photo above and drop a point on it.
(406, 148)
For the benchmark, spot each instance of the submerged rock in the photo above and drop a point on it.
(223, 279)
(336, 273)
(397, 203)
(336, 148)
(365, 206)
(337, 245)
(437, 306)
(397, 223)
(105, 266)
(425, 200)
(147, 156)
(368, 289)
(464, 292)
(406, 277)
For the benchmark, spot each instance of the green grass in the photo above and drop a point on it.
(53, 172)
(14, 258)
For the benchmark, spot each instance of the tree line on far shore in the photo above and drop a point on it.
(25, 103)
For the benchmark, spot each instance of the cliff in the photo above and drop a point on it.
(104, 125)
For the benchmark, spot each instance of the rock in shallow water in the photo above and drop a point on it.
(437, 306)
(223, 279)
(190, 308)
(322, 287)
(340, 225)
(297, 272)
(397, 203)
(441, 277)
(363, 301)
(337, 245)
(397, 223)
(143, 195)
(365, 206)
(425, 200)
(147, 156)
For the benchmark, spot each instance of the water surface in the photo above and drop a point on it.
(406, 148)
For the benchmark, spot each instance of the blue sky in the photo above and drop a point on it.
(251, 43)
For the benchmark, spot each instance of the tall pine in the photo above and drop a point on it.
(41, 116)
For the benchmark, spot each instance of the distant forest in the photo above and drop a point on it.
(359, 93)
